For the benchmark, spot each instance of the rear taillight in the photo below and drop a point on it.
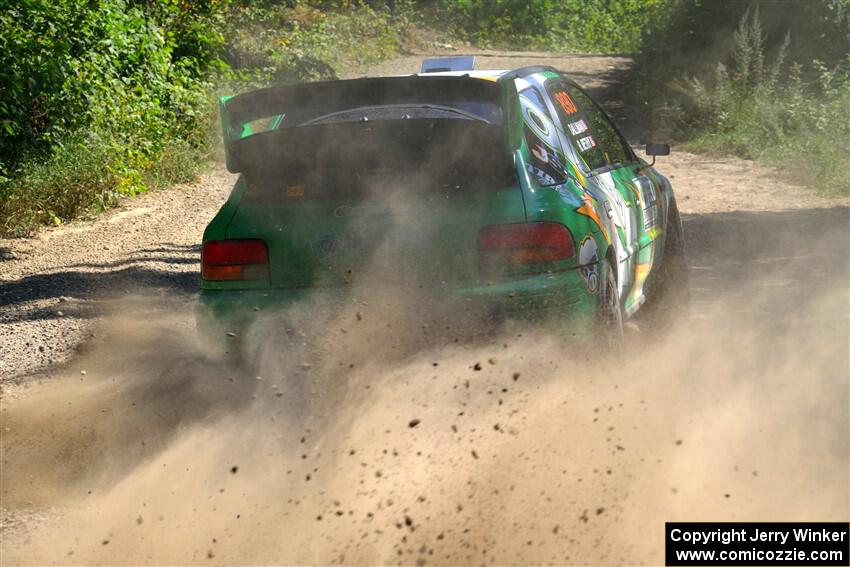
(526, 243)
(229, 260)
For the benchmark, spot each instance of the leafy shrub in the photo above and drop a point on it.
(118, 94)
(105, 101)
(106, 68)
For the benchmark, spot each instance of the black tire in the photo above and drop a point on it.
(609, 314)
(670, 292)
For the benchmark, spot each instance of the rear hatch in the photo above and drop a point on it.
(402, 200)
(398, 191)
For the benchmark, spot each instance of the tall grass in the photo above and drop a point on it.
(714, 78)
(760, 109)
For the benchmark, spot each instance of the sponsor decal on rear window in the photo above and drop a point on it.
(577, 127)
(566, 102)
(586, 143)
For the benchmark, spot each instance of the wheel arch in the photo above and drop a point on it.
(611, 256)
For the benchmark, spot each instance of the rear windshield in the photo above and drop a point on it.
(357, 159)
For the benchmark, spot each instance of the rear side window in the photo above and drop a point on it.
(591, 133)
(545, 163)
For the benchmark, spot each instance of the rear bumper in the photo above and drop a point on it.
(533, 298)
(545, 298)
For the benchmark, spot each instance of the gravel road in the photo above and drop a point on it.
(753, 378)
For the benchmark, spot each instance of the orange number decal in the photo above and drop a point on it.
(566, 102)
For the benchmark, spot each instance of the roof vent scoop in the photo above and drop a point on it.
(443, 64)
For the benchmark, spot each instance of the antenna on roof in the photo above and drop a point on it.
(442, 64)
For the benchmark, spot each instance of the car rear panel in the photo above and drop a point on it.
(421, 238)
(396, 200)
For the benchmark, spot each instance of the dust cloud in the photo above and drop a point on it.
(381, 431)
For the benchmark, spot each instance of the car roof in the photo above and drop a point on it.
(486, 74)
(490, 74)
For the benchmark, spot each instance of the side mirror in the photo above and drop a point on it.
(655, 149)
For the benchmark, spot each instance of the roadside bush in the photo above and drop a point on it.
(68, 65)
(757, 111)
(94, 100)
(739, 90)
(298, 41)
(101, 99)
(560, 25)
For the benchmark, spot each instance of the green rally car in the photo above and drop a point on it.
(508, 193)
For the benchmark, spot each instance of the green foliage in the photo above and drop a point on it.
(696, 34)
(600, 26)
(101, 99)
(758, 95)
(298, 41)
(106, 100)
(192, 28)
(105, 68)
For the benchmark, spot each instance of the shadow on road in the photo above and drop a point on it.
(154, 270)
(772, 267)
(808, 245)
(799, 251)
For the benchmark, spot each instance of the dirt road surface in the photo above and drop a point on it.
(124, 440)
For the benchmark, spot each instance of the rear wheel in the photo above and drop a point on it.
(609, 311)
(670, 293)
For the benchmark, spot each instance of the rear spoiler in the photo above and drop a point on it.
(294, 104)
